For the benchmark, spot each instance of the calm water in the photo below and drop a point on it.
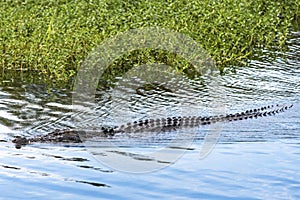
(253, 159)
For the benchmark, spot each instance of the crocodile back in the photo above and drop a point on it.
(163, 124)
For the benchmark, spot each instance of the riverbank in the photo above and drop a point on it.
(52, 38)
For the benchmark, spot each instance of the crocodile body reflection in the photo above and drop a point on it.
(148, 125)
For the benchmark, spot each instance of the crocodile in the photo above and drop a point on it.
(147, 125)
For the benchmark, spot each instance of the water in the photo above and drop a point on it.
(253, 159)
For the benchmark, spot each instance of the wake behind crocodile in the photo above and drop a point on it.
(148, 125)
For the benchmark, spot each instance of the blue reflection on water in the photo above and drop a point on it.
(254, 159)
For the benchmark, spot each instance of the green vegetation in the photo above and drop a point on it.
(52, 37)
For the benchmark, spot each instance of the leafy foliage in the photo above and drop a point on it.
(52, 37)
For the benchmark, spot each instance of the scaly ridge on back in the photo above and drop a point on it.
(193, 121)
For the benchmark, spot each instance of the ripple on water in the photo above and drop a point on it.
(254, 159)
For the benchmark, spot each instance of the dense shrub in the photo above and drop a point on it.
(52, 37)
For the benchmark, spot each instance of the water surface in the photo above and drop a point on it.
(253, 159)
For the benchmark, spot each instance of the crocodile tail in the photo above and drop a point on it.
(255, 113)
(192, 121)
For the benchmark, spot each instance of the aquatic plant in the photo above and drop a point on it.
(52, 37)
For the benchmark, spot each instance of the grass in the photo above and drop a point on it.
(51, 38)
